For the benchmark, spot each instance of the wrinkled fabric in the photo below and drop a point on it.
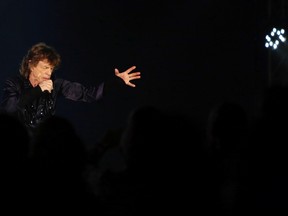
(32, 106)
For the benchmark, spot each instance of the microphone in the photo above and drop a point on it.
(47, 94)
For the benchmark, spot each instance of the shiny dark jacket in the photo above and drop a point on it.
(32, 106)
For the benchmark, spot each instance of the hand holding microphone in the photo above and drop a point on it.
(46, 85)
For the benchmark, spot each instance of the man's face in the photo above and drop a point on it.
(42, 71)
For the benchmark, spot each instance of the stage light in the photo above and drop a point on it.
(275, 37)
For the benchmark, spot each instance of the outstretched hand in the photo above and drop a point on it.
(127, 76)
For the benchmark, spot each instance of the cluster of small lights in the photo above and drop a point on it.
(276, 36)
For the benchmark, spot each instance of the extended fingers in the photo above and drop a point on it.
(116, 71)
(130, 69)
(135, 77)
(134, 74)
(131, 84)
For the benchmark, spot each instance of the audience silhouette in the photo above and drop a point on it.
(165, 164)
(160, 160)
(14, 155)
(58, 161)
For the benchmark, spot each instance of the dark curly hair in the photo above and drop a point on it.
(36, 53)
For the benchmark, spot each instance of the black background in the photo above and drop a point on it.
(192, 54)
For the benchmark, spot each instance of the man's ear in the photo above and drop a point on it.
(30, 64)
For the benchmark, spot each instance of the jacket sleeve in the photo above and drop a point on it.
(15, 98)
(78, 92)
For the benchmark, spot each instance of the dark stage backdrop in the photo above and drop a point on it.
(192, 54)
